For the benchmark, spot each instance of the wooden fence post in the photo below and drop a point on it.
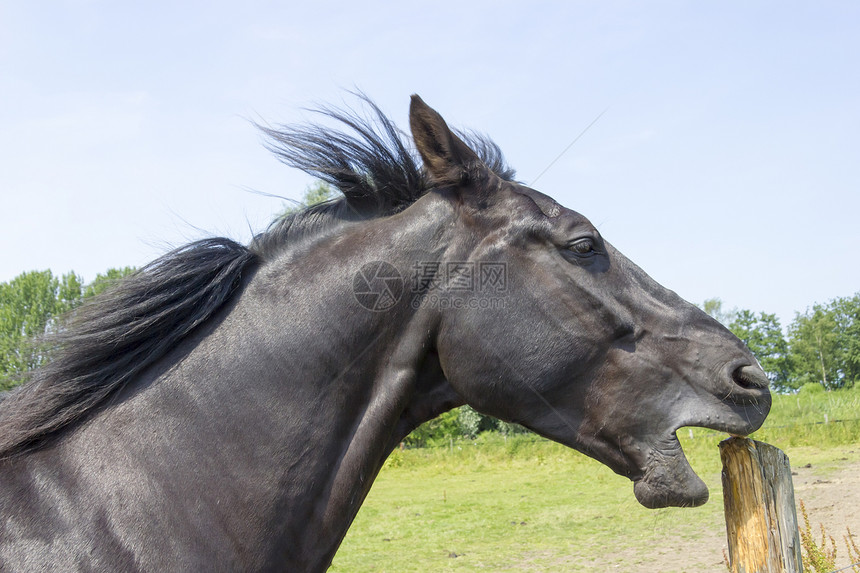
(761, 519)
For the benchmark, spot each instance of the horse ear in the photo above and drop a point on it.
(446, 156)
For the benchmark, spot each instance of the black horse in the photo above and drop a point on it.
(228, 407)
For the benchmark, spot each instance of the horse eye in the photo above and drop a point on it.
(582, 247)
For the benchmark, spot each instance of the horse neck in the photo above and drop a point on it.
(344, 384)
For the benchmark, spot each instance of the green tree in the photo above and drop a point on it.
(33, 305)
(846, 311)
(315, 193)
(825, 343)
(436, 431)
(762, 333)
(714, 308)
(103, 282)
(30, 307)
(814, 340)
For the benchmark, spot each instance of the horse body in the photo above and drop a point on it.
(258, 446)
(251, 443)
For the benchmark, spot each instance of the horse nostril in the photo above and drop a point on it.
(750, 377)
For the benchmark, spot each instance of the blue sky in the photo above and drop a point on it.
(727, 163)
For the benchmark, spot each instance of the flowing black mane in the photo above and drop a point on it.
(372, 164)
(116, 336)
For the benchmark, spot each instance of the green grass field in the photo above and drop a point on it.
(524, 503)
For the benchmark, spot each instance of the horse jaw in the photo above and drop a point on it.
(668, 480)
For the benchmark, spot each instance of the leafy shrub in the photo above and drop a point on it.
(811, 388)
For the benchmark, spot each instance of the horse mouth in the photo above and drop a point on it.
(665, 477)
(668, 479)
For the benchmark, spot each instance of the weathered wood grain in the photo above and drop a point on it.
(761, 519)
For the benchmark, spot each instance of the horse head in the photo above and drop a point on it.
(580, 345)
